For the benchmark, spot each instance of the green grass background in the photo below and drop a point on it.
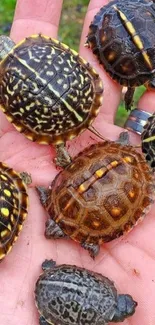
(70, 29)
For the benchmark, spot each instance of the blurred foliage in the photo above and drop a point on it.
(71, 23)
(122, 114)
(6, 15)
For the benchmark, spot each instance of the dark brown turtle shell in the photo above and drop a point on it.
(68, 294)
(123, 39)
(148, 141)
(100, 196)
(48, 91)
(13, 207)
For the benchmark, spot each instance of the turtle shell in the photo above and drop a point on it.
(148, 141)
(123, 39)
(72, 295)
(48, 91)
(102, 194)
(13, 207)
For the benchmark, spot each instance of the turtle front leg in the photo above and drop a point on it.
(128, 98)
(42, 321)
(93, 249)
(48, 265)
(44, 194)
(123, 138)
(53, 230)
(26, 178)
(62, 156)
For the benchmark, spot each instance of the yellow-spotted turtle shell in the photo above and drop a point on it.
(13, 207)
(47, 90)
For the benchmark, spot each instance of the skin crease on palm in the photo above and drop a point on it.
(130, 260)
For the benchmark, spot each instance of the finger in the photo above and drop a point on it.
(112, 91)
(33, 17)
(146, 102)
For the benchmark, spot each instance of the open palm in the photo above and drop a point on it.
(129, 261)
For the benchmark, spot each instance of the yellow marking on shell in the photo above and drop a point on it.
(75, 53)
(12, 218)
(10, 247)
(4, 233)
(128, 159)
(100, 172)
(81, 188)
(114, 163)
(24, 63)
(65, 46)
(72, 135)
(136, 175)
(88, 92)
(152, 138)
(65, 102)
(9, 226)
(45, 108)
(69, 63)
(2, 255)
(49, 73)
(5, 212)
(136, 39)
(96, 223)
(131, 194)
(16, 87)
(81, 78)
(104, 37)
(27, 107)
(3, 177)
(65, 86)
(116, 211)
(9, 91)
(69, 204)
(126, 68)
(60, 81)
(20, 227)
(7, 192)
(111, 56)
(139, 44)
(66, 69)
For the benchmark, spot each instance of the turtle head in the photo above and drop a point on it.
(6, 44)
(125, 308)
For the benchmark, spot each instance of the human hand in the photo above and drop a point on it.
(130, 260)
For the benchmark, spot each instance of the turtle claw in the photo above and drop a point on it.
(93, 249)
(48, 265)
(42, 321)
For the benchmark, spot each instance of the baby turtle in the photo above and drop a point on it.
(148, 141)
(47, 90)
(123, 39)
(101, 195)
(72, 295)
(13, 207)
